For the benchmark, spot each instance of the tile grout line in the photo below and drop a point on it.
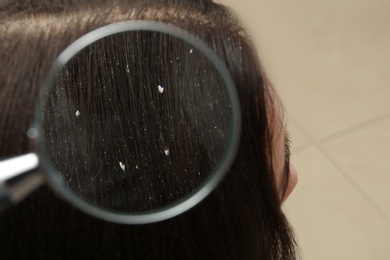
(343, 172)
(354, 128)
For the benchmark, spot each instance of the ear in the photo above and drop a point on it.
(292, 182)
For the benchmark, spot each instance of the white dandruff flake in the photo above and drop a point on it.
(166, 151)
(123, 166)
(191, 50)
(77, 113)
(160, 89)
(32, 133)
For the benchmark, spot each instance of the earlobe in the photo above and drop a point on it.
(293, 180)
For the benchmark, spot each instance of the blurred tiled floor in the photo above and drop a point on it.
(330, 62)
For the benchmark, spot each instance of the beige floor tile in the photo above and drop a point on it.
(385, 4)
(329, 60)
(330, 63)
(365, 156)
(297, 138)
(331, 218)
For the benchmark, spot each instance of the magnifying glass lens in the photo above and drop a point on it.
(136, 122)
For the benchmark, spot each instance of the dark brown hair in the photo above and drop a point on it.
(241, 219)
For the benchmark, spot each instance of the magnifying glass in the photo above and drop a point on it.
(138, 122)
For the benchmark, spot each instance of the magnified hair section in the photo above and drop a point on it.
(137, 121)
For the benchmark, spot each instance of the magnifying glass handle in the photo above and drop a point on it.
(18, 178)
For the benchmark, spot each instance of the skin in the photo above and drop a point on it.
(280, 153)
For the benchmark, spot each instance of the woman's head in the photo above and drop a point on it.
(242, 218)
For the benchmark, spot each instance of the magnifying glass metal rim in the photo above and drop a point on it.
(172, 210)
